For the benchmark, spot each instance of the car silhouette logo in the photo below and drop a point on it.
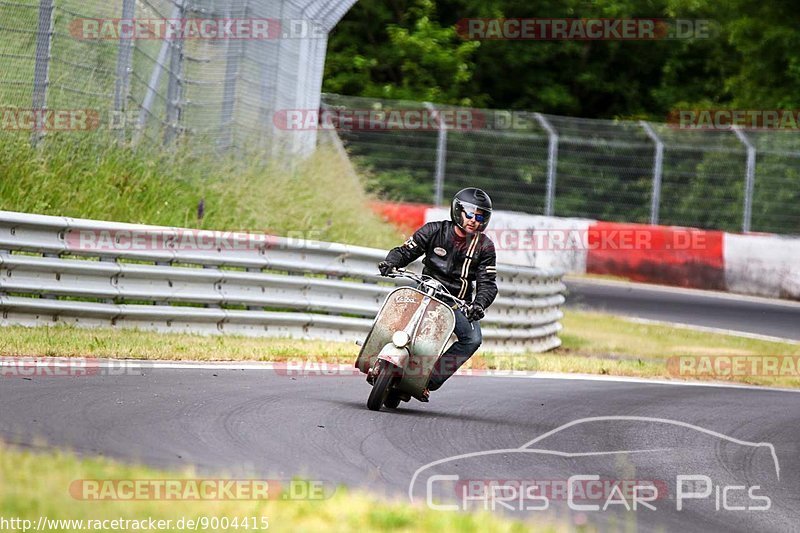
(533, 447)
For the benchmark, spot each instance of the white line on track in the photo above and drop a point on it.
(707, 329)
(681, 290)
(349, 370)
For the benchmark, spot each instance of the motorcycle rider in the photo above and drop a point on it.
(457, 253)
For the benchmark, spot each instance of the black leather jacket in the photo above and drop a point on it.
(455, 261)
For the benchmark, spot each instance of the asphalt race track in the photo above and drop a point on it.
(760, 316)
(274, 424)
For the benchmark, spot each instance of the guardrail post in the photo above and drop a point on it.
(658, 165)
(217, 287)
(122, 88)
(441, 155)
(552, 162)
(750, 178)
(41, 69)
(255, 307)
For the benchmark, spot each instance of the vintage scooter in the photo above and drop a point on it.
(410, 332)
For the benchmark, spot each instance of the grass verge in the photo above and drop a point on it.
(593, 343)
(34, 485)
(598, 343)
(319, 199)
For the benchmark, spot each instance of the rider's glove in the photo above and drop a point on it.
(385, 267)
(475, 312)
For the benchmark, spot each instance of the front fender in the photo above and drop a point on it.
(392, 354)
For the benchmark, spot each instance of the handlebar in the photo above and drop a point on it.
(439, 291)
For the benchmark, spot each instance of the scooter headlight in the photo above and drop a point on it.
(400, 339)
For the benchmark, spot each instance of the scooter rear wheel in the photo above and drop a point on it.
(393, 400)
(380, 391)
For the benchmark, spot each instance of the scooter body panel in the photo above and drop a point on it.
(429, 323)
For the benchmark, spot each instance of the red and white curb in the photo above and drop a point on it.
(755, 264)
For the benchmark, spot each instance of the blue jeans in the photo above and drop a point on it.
(469, 339)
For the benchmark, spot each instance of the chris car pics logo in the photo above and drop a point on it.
(462, 482)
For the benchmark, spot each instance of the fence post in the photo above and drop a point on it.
(174, 87)
(552, 162)
(749, 180)
(233, 51)
(269, 83)
(122, 88)
(155, 78)
(658, 164)
(41, 70)
(441, 155)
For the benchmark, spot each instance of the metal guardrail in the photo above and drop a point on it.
(93, 273)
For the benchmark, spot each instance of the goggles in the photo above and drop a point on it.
(471, 211)
(478, 218)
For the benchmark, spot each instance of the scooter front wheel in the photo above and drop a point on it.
(380, 390)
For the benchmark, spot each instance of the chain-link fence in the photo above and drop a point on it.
(608, 170)
(213, 70)
(248, 73)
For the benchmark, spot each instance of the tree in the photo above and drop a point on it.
(399, 51)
